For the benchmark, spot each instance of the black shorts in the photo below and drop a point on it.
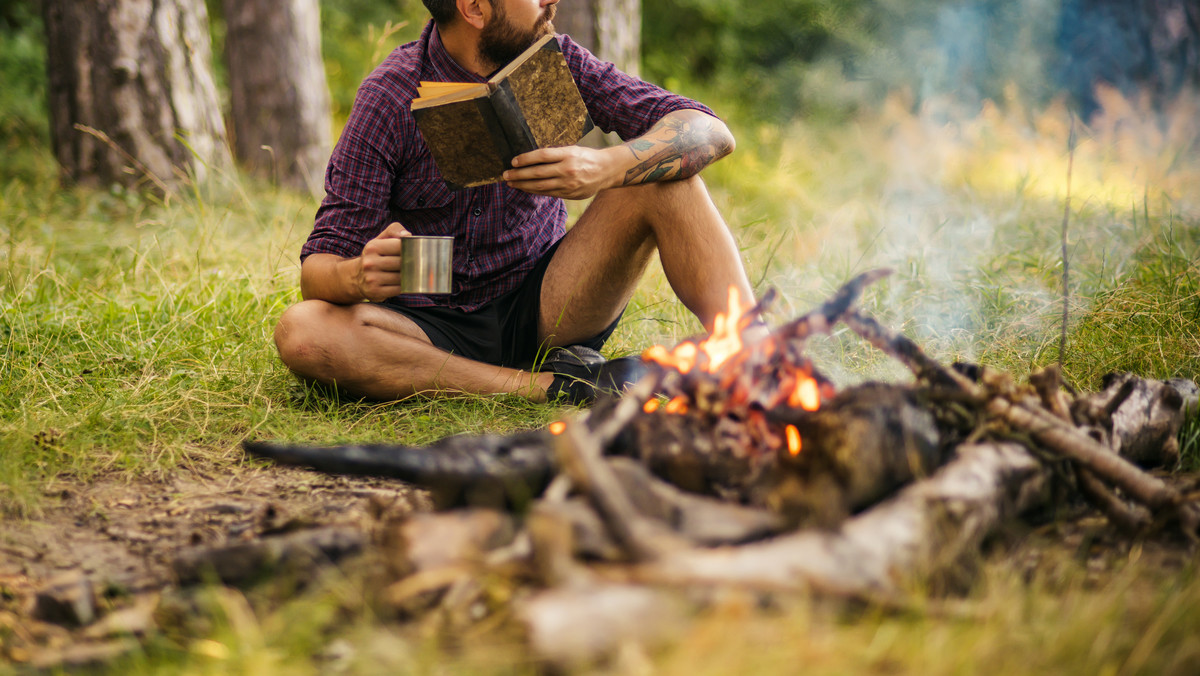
(502, 332)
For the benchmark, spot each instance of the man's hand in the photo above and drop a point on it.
(569, 172)
(678, 146)
(377, 273)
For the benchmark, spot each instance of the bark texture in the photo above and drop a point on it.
(279, 99)
(131, 93)
(610, 29)
(926, 529)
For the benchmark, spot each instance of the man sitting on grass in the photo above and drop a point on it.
(523, 286)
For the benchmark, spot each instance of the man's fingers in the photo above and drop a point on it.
(540, 156)
(532, 173)
(394, 230)
(383, 264)
(384, 246)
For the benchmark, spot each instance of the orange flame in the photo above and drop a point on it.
(793, 440)
(806, 395)
(682, 358)
(726, 338)
(557, 428)
(651, 406)
(724, 342)
(677, 405)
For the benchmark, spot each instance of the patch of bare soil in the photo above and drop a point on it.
(80, 578)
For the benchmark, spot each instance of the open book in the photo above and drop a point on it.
(475, 129)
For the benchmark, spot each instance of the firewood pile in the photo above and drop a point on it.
(737, 465)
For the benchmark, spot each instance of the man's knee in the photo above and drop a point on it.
(300, 337)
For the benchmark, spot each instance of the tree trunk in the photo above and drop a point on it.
(280, 110)
(610, 29)
(131, 93)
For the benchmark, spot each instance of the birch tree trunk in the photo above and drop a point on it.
(131, 93)
(610, 29)
(280, 110)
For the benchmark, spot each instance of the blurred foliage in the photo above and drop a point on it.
(23, 120)
(827, 58)
(772, 60)
(357, 35)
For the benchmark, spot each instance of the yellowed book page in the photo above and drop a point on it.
(435, 93)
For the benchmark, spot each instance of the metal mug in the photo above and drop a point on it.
(425, 264)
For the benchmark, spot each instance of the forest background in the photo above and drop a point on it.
(934, 137)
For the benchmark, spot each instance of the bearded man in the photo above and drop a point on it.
(532, 303)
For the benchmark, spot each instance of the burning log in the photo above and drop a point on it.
(717, 448)
(862, 445)
(713, 470)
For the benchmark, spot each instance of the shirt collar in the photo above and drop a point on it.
(444, 66)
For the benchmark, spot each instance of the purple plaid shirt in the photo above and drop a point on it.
(381, 172)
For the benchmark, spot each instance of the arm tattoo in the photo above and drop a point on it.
(687, 147)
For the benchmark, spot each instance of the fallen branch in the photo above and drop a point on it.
(580, 454)
(927, 528)
(1046, 428)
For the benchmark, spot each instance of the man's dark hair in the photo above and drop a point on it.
(443, 11)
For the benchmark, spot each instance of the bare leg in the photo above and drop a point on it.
(597, 267)
(372, 352)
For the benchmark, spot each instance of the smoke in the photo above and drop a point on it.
(968, 157)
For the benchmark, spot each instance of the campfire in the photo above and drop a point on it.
(737, 463)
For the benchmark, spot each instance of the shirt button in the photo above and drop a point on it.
(477, 211)
(420, 201)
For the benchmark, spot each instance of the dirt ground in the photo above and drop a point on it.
(118, 539)
(87, 574)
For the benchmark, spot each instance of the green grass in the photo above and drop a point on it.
(137, 332)
(137, 335)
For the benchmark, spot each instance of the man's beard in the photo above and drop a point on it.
(501, 41)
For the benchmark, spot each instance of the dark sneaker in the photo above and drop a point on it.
(581, 375)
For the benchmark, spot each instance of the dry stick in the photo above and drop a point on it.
(1066, 290)
(910, 354)
(1043, 426)
(1048, 383)
(833, 309)
(1076, 445)
(580, 453)
(1131, 519)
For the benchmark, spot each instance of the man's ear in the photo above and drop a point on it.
(475, 12)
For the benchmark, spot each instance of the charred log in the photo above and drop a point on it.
(693, 452)
(478, 470)
(857, 448)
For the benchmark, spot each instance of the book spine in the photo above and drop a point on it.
(512, 120)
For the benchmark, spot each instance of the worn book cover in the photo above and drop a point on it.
(474, 130)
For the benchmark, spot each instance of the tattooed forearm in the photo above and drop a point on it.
(679, 146)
